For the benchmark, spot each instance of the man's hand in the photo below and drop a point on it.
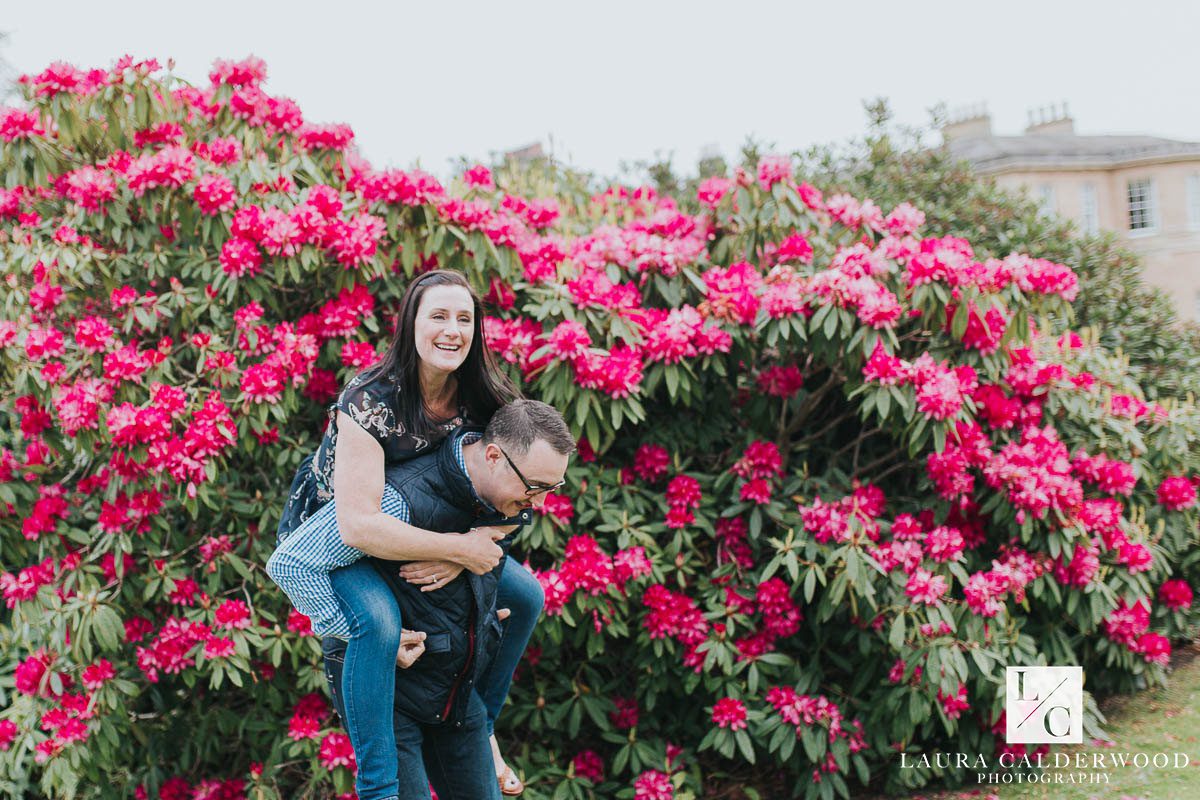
(503, 614)
(430, 575)
(479, 551)
(412, 645)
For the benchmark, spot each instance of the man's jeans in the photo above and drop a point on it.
(366, 674)
(456, 759)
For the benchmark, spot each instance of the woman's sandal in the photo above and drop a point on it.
(510, 784)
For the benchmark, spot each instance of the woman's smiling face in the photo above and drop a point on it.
(444, 327)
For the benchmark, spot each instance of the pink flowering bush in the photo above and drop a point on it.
(832, 475)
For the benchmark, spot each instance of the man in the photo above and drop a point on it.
(493, 477)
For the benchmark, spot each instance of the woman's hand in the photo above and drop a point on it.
(430, 575)
(412, 645)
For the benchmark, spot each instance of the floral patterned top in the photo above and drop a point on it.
(373, 405)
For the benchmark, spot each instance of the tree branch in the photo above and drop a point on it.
(836, 378)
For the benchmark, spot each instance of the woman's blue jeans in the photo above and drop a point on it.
(369, 672)
(368, 675)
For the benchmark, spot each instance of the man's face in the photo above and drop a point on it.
(540, 467)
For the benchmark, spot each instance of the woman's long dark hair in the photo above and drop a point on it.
(482, 386)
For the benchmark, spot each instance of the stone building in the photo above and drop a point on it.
(1145, 189)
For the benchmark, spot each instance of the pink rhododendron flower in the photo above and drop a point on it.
(781, 381)
(298, 623)
(984, 592)
(904, 220)
(617, 374)
(1082, 567)
(883, 368)
(1035, 473)
(359, 354)
(711, 190)
(761, 459)
(43, 342)
(233, 614)
(88, 186)
(673, 615)
(1123, 405)
(838, 521)
(479, 177)
(1110, 475)
(171, 167)
(8, 732)
(1136, 556)
(240, 258)
(1154, 647)
(650, 462)
(324, 137)
(1127, 622)
(631, 563)
(773, 169)
(625, 715)
(569, 340)
(940, 389)
(214, 193)
(98, 674)
(220, 152)
(756, 490)
(217, 647)
(684, 491)
(653, 785)
(731, 293)
(250, 71)
(954, 704)
(794, 248)
(93, 334)
(336, 751)
(1176, 493)
(558, 506)
(925, 587)
(1175, 594)
(945, 543)
(729, 712)
(586, 764)
(16, 123)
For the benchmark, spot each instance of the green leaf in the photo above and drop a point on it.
(896, 633)
(108, 627)
(744, 745)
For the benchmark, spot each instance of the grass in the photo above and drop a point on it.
(1156, 720)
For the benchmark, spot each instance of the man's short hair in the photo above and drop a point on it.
(520, 423)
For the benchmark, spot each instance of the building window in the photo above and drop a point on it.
(1089, 211)
(1142, 216)
(1193, 201)
(1045, 200)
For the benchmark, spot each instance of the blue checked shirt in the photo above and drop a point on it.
(302, 562)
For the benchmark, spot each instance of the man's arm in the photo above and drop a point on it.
(358, 481)
(300, 567)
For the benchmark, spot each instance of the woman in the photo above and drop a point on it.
(436, 376)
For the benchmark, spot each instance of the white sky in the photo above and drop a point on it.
(623, 80)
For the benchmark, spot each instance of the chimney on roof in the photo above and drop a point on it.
(968, 122)
(1050, 120)
(527, 154)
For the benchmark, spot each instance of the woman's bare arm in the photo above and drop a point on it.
(358, 491)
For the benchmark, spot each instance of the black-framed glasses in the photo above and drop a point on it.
(531, 489)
